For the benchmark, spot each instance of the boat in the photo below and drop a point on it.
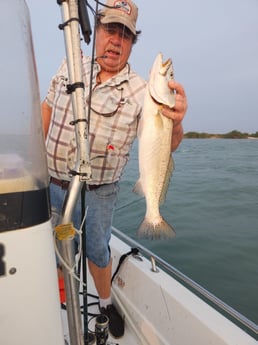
(161, 305)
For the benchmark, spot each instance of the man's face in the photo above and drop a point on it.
(114, 41)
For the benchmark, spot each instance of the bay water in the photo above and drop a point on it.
(212, 203)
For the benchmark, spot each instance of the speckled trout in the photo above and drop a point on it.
(155, 158)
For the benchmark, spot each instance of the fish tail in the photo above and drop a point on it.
(155, 231)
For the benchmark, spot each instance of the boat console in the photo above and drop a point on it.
(29, 299)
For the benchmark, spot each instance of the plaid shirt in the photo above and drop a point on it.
(110, 137)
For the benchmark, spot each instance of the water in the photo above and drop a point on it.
(212, 203)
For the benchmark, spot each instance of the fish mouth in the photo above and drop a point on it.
(165, 67)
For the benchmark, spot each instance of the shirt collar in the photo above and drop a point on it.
(116, 80)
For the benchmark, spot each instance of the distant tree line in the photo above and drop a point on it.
(230, 135)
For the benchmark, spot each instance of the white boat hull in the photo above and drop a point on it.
(29, 298)
(160, 311)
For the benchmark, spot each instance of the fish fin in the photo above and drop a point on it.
(167, 179)
(158, 231)
(138, 188)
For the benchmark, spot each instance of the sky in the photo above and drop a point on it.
(213, 45)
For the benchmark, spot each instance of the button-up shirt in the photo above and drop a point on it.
(116, 107)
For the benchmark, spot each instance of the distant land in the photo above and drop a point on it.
(230, 135)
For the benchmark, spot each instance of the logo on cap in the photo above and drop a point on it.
(123, 6)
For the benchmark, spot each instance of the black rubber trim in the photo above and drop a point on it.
(24, 209)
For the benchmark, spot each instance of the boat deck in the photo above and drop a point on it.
(129, 338)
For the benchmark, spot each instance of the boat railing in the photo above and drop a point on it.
(236, 317)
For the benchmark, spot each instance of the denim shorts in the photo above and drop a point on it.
(100, 204)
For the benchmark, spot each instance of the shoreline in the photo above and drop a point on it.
(220, 137)
(230, 135)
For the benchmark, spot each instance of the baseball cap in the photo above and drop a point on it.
(119, 11)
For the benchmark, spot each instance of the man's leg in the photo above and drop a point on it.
(100, 206)
(102, 279)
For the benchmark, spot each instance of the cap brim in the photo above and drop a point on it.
(118, 19)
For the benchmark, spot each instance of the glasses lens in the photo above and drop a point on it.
(118, 29)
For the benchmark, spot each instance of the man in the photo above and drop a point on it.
(116, 106)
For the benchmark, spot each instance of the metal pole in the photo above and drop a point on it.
(74, 61)
(82, 171)
(71, 285)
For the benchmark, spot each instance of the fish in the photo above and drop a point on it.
(154, 150)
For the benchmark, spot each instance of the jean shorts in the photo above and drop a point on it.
(100, 204)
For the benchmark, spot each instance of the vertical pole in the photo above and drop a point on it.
(66, 247)
(70, 17)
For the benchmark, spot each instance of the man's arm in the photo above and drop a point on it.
(177, 113)
(177, 135)
(46, 112)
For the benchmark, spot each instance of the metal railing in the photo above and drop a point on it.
(240, 319)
